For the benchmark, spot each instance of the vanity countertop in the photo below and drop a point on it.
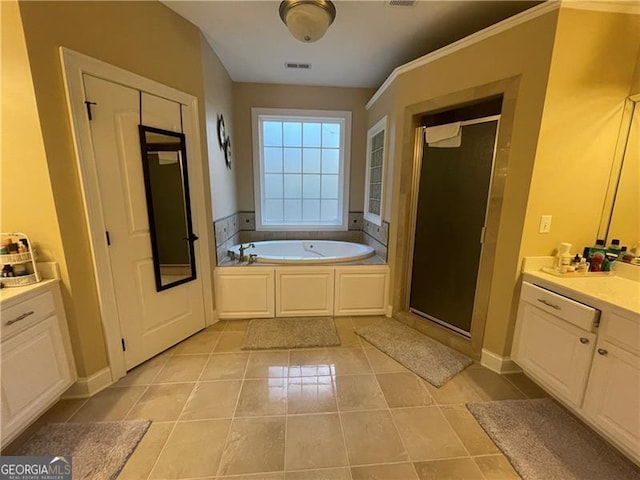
(11, 293)
(614, 291)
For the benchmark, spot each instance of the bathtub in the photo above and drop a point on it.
(306, 252)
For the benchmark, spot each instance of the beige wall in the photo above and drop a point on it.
(592, 66)
(635, 82)
(249, 95)
(143, 37)
(218, 100)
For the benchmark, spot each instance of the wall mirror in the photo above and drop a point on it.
(374, 182)
(621, 213)
(164, 163)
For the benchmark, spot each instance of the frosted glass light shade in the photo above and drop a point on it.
(307, 20)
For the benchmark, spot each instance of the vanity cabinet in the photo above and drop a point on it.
(36, 361)
(555, 344)
(590, 362)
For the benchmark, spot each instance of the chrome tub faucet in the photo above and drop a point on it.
(242, 257)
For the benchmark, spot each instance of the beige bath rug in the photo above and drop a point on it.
(283, 333)
(543, 441)
(97, 450)
(431, 360)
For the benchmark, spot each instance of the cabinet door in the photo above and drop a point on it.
(555, 353)
(246, 292)
(613, 395)
(303, 291)
(35, 371)
(362, 291)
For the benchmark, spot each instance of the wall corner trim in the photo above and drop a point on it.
(498, 363)
(465, 42)
(88, 386)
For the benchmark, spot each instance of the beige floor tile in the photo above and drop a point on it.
(219, 326)
(237, 325)
(343, 322)
(161, 403)
(491, 386)
(193, 449)
(348, 361)
(397, 471)
(311, 395)
(325, 474)
(265, 396)
(225, 366)
(383, 363)
(202, 342)
(310, 363)
(268, 365)
(427, 434)
(248, 436)
(470, 432)
(457, 390)
(526, 385)
(348, 338)
(452, 469)
(62, 410)
(212, 400)
(359, 392)
(144, 457)
(111, 404)
(371, 437)
(404, 390)
(314, 441)
(365, 321)
(496, 467)
(230, 341)
(254, 476)
(182, 368)
(145, 373)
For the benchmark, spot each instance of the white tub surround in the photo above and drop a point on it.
(306, 252)
(579, 338)
(265, 291)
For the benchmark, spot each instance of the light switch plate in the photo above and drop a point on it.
(545, 223)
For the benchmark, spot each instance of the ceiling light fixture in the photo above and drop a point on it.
(307, 20)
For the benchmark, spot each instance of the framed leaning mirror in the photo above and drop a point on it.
(164, 164)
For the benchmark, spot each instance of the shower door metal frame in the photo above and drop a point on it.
(415, 189)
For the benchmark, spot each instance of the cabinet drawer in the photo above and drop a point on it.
(24, 314)
(576, 313)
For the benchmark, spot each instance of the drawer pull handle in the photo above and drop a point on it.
(548, 304)
(20, 317)
(584, 340)
(602, 351)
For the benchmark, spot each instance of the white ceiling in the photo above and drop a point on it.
(367, 40)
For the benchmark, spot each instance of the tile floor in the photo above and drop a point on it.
(349, 412)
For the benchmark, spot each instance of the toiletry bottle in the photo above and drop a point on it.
(563, 256)
(609, 260)
(583, 267)
(596, 261)
(576, 261)
(614, 247)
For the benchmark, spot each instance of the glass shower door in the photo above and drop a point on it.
(452, 204)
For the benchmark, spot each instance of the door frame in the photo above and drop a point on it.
(413, 219)
(75, 65)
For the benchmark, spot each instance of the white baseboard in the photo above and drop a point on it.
(89, 386)
(389, 311)
(498, 363)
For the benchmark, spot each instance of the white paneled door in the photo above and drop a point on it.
(150, 321)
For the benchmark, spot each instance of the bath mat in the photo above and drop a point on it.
(98, 450)
(543, 441)
(431, 360)
(269, 333)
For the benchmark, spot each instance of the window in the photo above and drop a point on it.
(301, 166)
(374, 183)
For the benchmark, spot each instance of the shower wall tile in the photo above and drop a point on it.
(355, 220)
(379, 233)
(247, 221)
(380, 249)
(225, 228)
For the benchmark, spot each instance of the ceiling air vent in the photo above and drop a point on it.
(401, 3)
(298, 66)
